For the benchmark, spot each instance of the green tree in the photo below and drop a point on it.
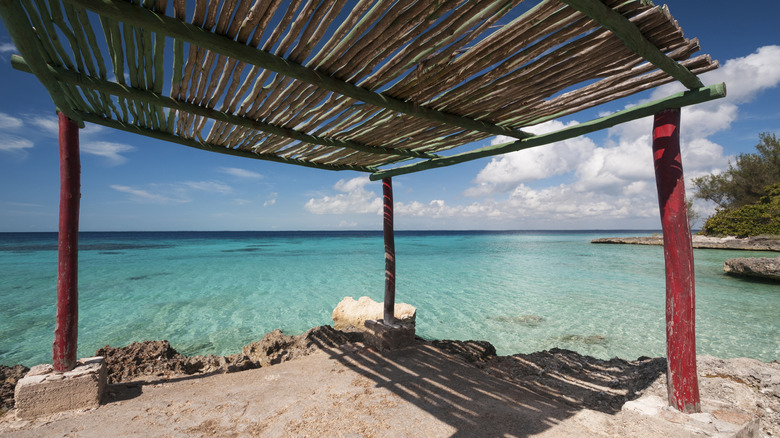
(762, 217)
(746, 180)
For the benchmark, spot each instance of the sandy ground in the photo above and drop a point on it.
(422, 391)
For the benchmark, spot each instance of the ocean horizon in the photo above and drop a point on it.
(211, 292)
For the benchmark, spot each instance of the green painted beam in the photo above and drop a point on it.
(678, 100)
(115, 124)
(128, 13)
(633, 39)
(26, 41)
(89, 82)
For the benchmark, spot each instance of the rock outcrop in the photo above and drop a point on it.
(756, 243)
(351, 313)
(158, 358)
(8, 378)
(276, 347)
(767, 268)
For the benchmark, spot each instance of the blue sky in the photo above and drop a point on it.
(600, 181)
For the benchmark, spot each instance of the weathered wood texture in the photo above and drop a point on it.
(66, 328)
(389, 234)
(345, 84)
(682, 380)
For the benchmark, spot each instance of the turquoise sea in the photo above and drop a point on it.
(213, 292)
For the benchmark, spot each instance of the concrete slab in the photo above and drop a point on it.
(44, 392)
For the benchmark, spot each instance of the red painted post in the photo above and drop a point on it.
(681, 377)
(66, 328)
(387, 192)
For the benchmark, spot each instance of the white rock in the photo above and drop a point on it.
(355, 313)
(648, 405)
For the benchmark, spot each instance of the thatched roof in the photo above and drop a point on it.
(351, 84)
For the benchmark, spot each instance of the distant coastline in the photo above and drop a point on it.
(758, 243)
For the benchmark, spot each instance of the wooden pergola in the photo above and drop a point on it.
(376, 86)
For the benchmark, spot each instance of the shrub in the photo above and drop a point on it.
(762, 217)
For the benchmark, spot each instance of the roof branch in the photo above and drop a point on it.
(634, 40)
(129, 13)
(83, 80)
(678, 100)
(29, 45)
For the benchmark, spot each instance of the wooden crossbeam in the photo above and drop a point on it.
(90, 82)
(115, 124)
(134, 15)
(678, 100)
(633, 39)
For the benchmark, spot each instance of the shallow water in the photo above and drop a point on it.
(211, 293)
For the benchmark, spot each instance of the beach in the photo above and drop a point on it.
(434, 388)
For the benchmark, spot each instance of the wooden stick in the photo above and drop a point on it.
(681, 378)
(634, 40)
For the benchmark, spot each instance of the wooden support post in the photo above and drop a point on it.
(682, 380)
(66, 328)
(387, 192)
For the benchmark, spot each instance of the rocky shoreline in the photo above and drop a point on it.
(764, 268)
(559, 370)
(757, 243)
(752, 268)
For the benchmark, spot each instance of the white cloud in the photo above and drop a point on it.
(177, 193)
(505, 172)
(91, 129)
(748, 76)
(566, 202)
(208, 186)
(438, 209)
(353, 199)
(271, 199)
(112, 152)
(7, 48)
(48, 125)
(10, 122)
(145, 196)
(14, 144)
(240, 173)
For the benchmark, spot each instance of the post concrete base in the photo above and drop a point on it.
(386, 337)
(44, 392)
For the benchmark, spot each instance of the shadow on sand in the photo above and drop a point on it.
(507, 396)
